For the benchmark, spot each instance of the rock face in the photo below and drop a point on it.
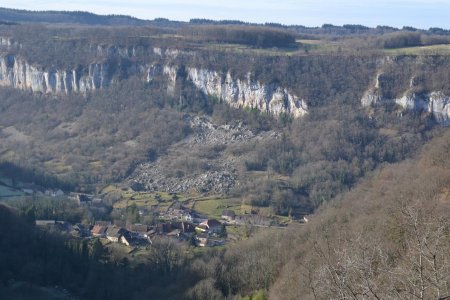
(7, 42)
(435, 102)
(16, 72)
(247, 93)
(371, 97)
(235, 92)
(439, 106)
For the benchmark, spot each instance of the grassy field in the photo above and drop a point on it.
(25, 290)
(144, 200)
(239, 233)
(311, 47)
(264, 211)
(6, 191)
(9, 192)
(214, 206)
(7, 155)
(141, 203)
(210, 206)
(57, 166)
(423, 50)
(6, 180)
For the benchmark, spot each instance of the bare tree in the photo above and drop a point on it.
(423, 271)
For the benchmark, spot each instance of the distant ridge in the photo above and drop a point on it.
(11, 16)
(8, 16)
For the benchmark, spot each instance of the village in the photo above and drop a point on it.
(210, 232)
(164, 216)
(135, 219)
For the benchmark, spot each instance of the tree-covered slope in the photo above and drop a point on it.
(389, 238)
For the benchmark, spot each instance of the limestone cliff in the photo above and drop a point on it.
(16, 72)
(248, 92)
(373, 95)
(434, 102)
(237, 93)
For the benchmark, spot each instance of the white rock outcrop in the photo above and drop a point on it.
(439, 106)
(371, 97)
(412, 101)
(250, 93)
(171, 73)
(18, 73)
(435, 102)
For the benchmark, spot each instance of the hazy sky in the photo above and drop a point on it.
(398, 13)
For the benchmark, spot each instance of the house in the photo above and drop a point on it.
(103, 223)
(211, 226)
(186, 228)
(202, 239)
(73, 197)
(175, 214)
(45, 222)
(130, 239)
(139, 229)
(99, 231)
(228, 215)
(80, 231)
(120, 223)
(54, 193)
(303, 220)
(63, 226)
(97, 200)
(163, 228)
(57, 226)
(58, 193)
(114, 233)
(28, 191)
(198, 218)
(126, 239)
(81, 198)
(151, 232)
(187, 215)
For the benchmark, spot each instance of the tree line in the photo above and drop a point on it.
(259, 37)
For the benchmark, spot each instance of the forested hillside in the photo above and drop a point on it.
(133, 92)
(388, 239)
(324, 151)
(17, 15)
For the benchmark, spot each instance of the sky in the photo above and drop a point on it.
(398, 13)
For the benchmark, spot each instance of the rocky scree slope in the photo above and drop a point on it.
(202, 162)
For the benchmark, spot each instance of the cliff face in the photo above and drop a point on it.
(434, 102)
(237, 93)
(18, 73)
(248, 93)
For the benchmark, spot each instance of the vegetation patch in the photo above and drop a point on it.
(421, 50)
(214, 207)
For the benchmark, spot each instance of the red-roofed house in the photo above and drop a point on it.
(99, 231)
(211, 226)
